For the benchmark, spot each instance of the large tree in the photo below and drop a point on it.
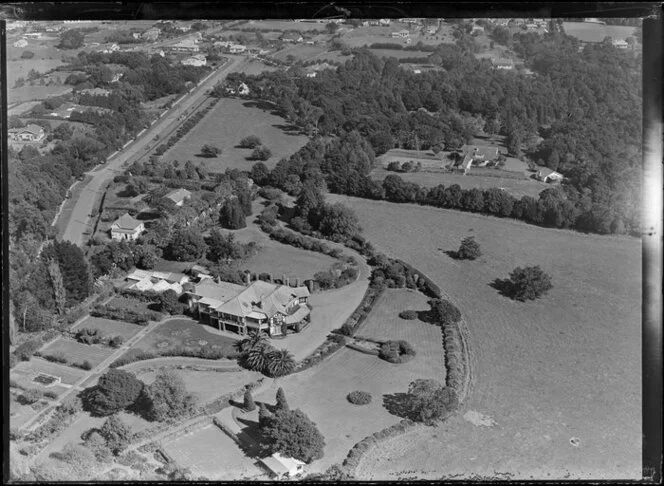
(292, 434)
(167, 397)
(76, 275)
(338, 222)
(116, 434)
(187, 244)
(71, 39)
(231, 215)
(430, 402)
(115, 391)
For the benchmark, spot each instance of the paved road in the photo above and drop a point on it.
(79, 219)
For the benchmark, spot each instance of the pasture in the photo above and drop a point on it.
(302, 52)
(365, 36)
(567, 365)
(399, 54)
(591, 32)
(229, 122)
(430, 178)
(209, 452)
(76, 352)
(182, 332)
(109, 327)
(283, 25)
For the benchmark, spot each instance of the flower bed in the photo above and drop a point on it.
(397, 351)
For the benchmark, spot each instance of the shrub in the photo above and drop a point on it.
(443, 312)
(88, 336)
(85, 365)
(469, 249)
(25, 351)
(408, 315)
(251, 141)
(397, 351)
(261, 153)
(51, 394)
(529, 283)
(116, 341)
(359, 397)
(28, 397)
(115, 391)
(57, 357)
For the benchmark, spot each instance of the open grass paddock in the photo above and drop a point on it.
(567, 365)
(228, 123)
(24, 372)
(515, 187)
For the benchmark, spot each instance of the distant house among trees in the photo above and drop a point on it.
(127, 228)
(178, 196)
(292, 37)
(503, 64)
(30, 133)
(480, 156)
(195, 60)
(548, 175)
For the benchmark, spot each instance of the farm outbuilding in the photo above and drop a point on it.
(281, 466)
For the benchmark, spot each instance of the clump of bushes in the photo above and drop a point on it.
(357, 318)
(397, 351)
(28, 397)
(127, 315)
(88, 336)
(57, 357)
(26, 350)
(409, 315)
(116, 341)
(85, 365)
(358, 397)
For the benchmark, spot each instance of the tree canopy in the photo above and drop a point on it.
(292, 434)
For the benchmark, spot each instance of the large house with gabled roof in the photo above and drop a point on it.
(258, 306)
(127, 228)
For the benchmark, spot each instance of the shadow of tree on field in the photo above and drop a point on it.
(452, 254)
(261, 104)
(504, 287)
(250, 438)
(397, 404)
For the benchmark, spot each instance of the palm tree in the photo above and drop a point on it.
(255, 339)
(280, 363)
(259, 357)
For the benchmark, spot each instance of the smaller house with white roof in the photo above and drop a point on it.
(283, 467)
(178, 196)
(548, 175)
(195, 60)
(153, 281)
(237, 49)
(30, 133)
(127, 228)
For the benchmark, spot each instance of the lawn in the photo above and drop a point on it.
(208, 385)
(24, 372)
(209, 452)
(430, 178)
(228, 123)
(110, 327)
(182, 332)
(384, 323)
(567, 365)
(365, 36)
(76, 352)
(398, 53)
(301, 52)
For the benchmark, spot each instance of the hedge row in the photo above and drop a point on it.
(362, 349)
(185, 128)
(428, 287)
(361, 448)
(333, 343)
(353, 323)
(127, 315)
(61, 419)
(203, 352)
(292, 238)
(454, 357)
(149, 296)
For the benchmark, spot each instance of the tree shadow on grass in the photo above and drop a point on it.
(250, 438)
(452, 254)
(397, 404)
(260, 104)
(504, 287)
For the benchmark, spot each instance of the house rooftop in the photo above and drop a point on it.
(126, 222)
(178, 195)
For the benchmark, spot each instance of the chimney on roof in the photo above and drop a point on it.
(297, 282)
(248, 276)
(287, 281)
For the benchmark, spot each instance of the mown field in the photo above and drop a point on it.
(590, 32)
(365, 36)
(228, 123)
(398, 53)
(565, 366)
(516, 187)
(182, 332)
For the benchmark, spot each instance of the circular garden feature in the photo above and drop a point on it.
(397, 351)
(358, 397)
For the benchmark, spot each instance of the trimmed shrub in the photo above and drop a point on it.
(57, 357)
(397, 351)
(409, 315)
(358, 397)
(116, 341)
